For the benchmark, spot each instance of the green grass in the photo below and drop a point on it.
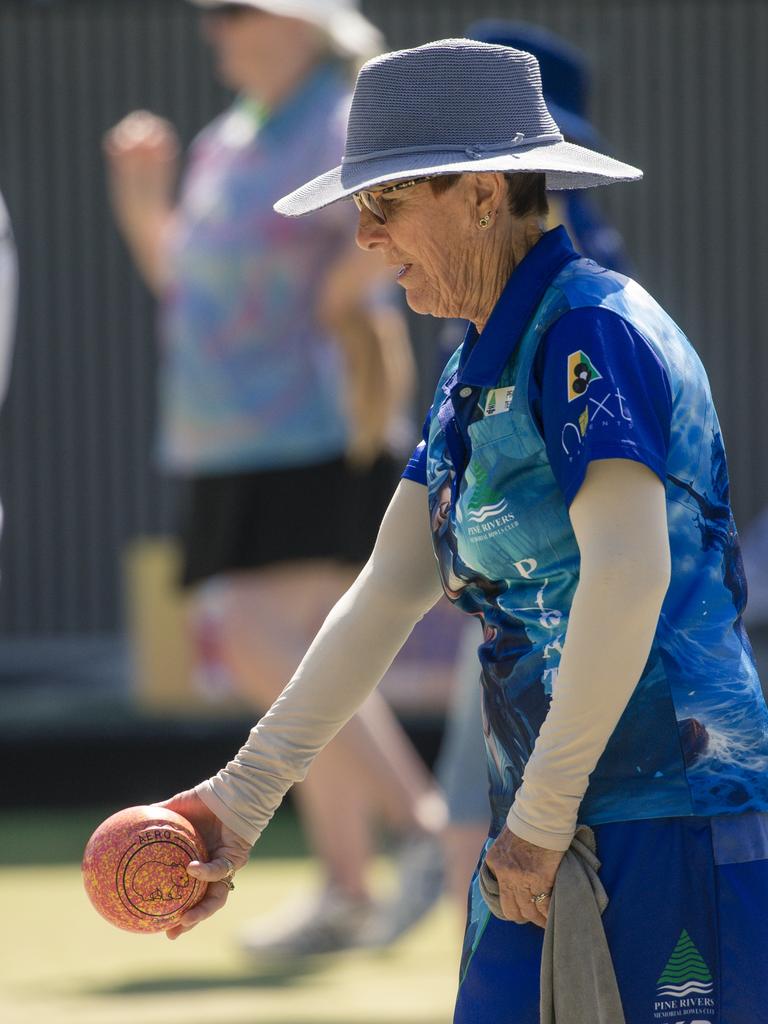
(30, 837)
(61, 964)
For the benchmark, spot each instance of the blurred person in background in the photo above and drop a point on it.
(284, 373)
(462, 768)
(8, 298)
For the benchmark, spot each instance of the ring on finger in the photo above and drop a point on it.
(539, 897)
(227, 879)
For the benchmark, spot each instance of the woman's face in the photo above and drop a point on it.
(433, 244)
(253, 47)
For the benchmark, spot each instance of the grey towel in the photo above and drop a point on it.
(578, 983)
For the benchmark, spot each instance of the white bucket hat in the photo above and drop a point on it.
(351, 34)
(448, 107)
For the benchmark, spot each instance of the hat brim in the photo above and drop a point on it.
(566, 166)
(350, 32)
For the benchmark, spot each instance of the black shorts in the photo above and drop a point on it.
(240, 521)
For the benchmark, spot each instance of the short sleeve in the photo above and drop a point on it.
(599, 391)
(416, 469)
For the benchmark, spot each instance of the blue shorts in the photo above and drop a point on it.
(687, 926)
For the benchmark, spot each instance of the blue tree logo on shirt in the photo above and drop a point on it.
(581, 373)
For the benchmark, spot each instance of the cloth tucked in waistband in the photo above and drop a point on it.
(578, 982)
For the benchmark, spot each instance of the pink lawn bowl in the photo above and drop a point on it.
(135, 868)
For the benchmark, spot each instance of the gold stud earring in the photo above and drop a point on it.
(485, 221)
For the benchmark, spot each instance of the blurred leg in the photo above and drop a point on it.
(463, 845)
(335, 814)
(462, 771)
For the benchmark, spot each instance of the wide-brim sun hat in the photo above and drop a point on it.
(449, 107)
(351, 34)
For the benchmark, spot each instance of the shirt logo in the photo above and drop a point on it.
(685, 988)
(584, 421)
(498, 400)
(581, 373)
(486, 511)
(686, 972)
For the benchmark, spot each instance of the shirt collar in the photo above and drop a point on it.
(484, 355)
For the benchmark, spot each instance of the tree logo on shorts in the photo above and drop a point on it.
(581, 373)
(686, 973)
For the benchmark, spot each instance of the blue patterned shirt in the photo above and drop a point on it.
(579, 363)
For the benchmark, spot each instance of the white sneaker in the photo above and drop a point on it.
(330, 922)
(421, 879)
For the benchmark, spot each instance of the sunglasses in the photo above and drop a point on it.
(365, 200)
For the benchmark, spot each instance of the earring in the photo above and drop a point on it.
(485, 221)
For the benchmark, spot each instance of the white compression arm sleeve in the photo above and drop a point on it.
(353, 649)
(620, 522)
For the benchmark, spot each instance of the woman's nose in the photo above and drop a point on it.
(371, 233)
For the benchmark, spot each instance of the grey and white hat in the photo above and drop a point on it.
(451, 106)
(351, 34)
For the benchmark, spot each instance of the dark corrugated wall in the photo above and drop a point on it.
(681, 88)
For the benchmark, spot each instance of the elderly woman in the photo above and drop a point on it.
(577, 505)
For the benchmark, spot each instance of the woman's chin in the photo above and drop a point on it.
(233, 73)
(420, 303)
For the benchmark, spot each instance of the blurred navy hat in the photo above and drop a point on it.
(565, 75)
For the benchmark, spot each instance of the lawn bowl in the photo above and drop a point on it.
(135, 868)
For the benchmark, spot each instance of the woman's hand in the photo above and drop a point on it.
(225, 848)
(142, 153)
(523, 871)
